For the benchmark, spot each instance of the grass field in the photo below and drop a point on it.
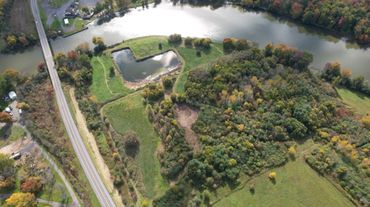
(296, 185)
(127, 114)
(357, 101)
(104, 87)
(15, 134)
(147, 46)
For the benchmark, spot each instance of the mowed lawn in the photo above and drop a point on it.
(129, 113)
(296, 185)
(357, 101)
(143, 47)
(104, 87)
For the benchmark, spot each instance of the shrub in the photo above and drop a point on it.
(31, 185)
(202, 43)
(21, 200)
(292, 151)
(189, 42)
(175, 39)
(132, 143)
(167, 83)
(272, 176)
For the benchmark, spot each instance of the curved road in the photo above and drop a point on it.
(83, 156)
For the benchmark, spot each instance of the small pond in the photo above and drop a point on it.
(147, 69)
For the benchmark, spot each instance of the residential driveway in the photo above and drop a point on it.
(59, 12)
(90, 3)
(51, 12)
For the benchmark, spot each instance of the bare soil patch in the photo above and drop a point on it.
(186, 117)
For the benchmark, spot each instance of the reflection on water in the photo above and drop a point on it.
(146, 69)
(217, 24)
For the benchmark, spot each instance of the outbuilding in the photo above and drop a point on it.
(66, 21)
(12, 95)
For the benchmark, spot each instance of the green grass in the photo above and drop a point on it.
(104, 87)
(145, 46)
(127, 114)
(296, 185)
(57, 3)
(56, 25)
(75, 25)
(43, 16)
(56, 192)
(355, 100)
(15, 134)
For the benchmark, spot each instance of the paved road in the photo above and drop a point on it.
(83, 156)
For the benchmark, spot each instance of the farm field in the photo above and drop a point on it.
(127, 114)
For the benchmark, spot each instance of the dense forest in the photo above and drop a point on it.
(350, 17)
(254, 107)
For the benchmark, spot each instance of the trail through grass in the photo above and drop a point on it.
(106, 87)
(129, 113)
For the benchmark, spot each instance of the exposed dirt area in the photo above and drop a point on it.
(98, 159)
(16, 146)
(186, 117)
(21, 19)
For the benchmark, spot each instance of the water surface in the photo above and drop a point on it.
(226, 21)
(134, 71)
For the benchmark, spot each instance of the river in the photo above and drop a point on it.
(227, 21)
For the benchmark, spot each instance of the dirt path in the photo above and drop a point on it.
(186, 117)
(105, 76)
(94, 151)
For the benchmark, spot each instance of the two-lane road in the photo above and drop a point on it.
(83, 156)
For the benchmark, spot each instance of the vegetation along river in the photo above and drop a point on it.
(227, 21)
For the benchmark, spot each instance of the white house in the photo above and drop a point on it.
(12, 95)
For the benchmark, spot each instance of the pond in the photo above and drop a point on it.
(227, 21)
(147, 69)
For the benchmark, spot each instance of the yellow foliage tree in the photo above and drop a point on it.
(366, 121)
(21, 200)
(324, 134)
(272, 175)
(292, 151)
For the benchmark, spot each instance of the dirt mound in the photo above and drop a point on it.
(186, 117)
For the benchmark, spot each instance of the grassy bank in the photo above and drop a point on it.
(296, 185)
(127, 114)
(355, 100)
(147, 46)
(104, 86)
